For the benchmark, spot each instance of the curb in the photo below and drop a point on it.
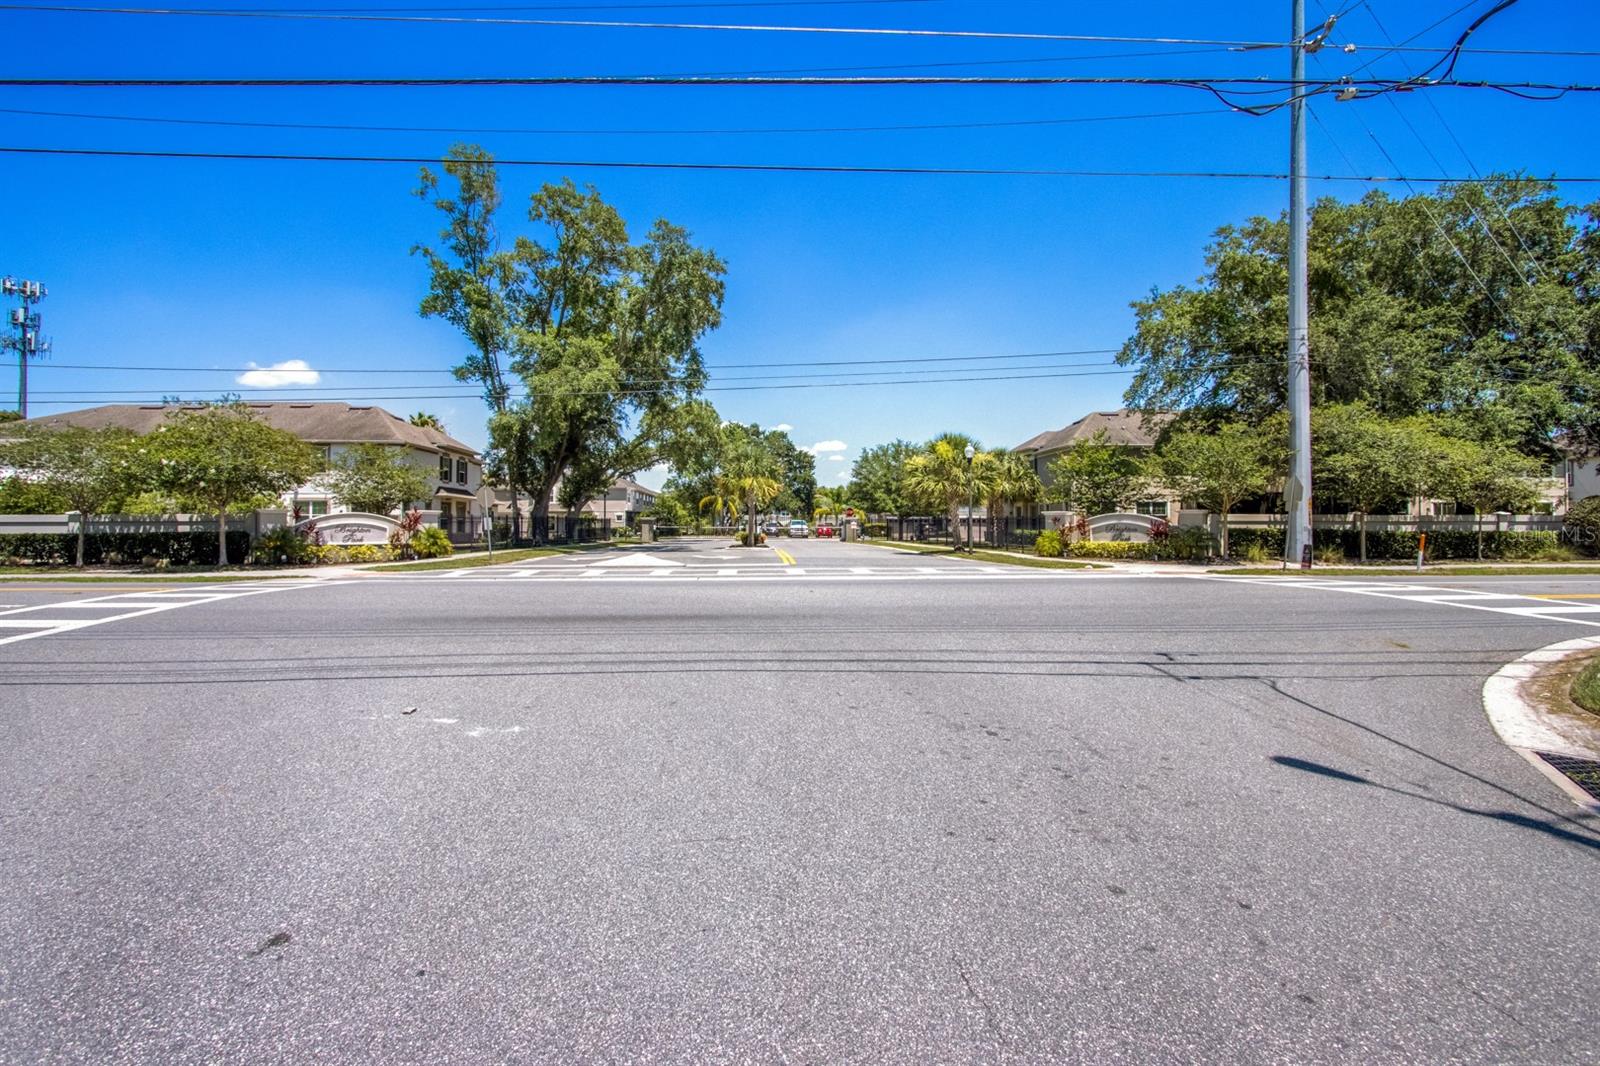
(1526, 728)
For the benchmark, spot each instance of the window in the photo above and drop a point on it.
(444, 468)
(1153, 508)
(314, 508)
(461, 471)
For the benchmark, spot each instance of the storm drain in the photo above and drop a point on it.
(1585, 773)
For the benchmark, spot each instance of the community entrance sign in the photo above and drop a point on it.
(1131, 527)
(351, 527)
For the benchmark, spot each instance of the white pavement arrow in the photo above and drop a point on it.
(641, 559)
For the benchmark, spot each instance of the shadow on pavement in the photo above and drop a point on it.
(1538, 825)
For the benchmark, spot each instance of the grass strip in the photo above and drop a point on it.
(1586, 687)
(1411, 571)
(1037, 561)
(22, 574)
(982, 556)
(467, 562)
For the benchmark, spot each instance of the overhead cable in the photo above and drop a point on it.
(775, 168)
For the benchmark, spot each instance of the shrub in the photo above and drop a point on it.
(1187, 542)
(1257, 553)
(1111, 549)
(283, 545)
(332, 554)
(1329, 555)
(875, 529)
(431, 542)
(197, 547)
(369, 553)
(1048, 544)
(743, 538)
(1583, 525)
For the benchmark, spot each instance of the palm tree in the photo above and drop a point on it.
(751, 471)
(723, 499)
(941, 476)
(1014, 481)
(423, 418)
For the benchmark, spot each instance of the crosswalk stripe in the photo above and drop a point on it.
(1508, 603)
(39, 623)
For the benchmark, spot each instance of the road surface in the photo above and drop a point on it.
(697, 803)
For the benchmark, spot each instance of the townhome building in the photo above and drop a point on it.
(620, 507)
(1133, 430)
(454, 470)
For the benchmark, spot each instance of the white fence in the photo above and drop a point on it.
(1500, 522)
(253, 522)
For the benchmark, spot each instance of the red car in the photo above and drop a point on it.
(824, 531)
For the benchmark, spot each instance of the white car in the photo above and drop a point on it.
(797, 528)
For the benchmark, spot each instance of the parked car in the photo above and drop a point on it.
(798, 528)
(770, 529)
(824, 531)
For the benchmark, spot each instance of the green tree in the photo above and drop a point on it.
(219, 456)
(1355, 461)
(1095, 476)
(88, 469)
(21, 496)
(376, 479)
(1013, 481)
(582, 483)
(672, 510)
(474, 285)
(878, 479)
(1494, 477)
(941, 476)
(1216, 469)
(607, 337)
(1416, 307)
(751, 472)
(425, 419)
(721, 498)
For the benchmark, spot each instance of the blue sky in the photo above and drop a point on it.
(222, 264)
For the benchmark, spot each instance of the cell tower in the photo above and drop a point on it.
(25, 321)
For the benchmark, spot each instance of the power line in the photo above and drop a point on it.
(1262, 85)
(1431, 26)
(858, 31)
(709, 366)
(606, 7)
(778, 168)
(1538, 267)
(344, 127)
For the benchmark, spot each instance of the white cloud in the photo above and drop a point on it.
(276, 376)
(783, 427)
(835, 458)
(827, 446)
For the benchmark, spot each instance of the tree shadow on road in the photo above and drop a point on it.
(1538, 825)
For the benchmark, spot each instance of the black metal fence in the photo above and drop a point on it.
(938, 529)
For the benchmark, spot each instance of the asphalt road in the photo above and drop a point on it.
(867, 806)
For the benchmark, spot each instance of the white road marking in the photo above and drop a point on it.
(642, 559)
(1508, 603)
(133, 605)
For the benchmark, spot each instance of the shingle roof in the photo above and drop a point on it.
(316, 423)
(1134, 429)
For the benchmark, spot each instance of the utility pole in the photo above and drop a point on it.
(1297, 490)
(27, 343)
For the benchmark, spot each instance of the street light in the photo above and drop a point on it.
(971, 503)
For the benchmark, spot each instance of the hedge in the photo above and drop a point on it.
(1397, 544)
(179, 549)
(1111, 549)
